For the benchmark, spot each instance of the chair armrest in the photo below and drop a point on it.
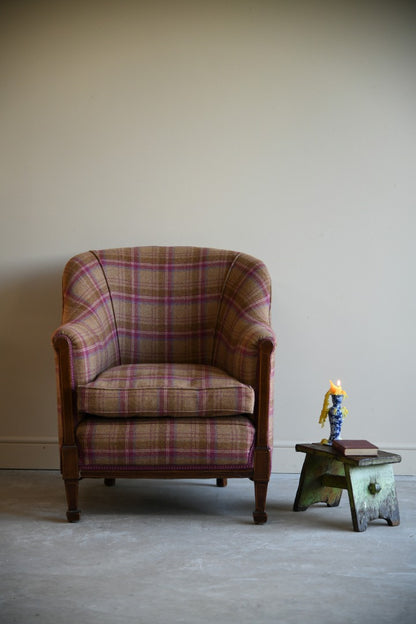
(237, 350)
(92, 347)
(83, 349)
(247, 353)
(244, 319)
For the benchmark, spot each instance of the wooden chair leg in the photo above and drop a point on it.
(109, 482)
(222, 482)
(260, 491)
(71, 491)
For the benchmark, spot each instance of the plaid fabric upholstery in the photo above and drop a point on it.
(165, 390)
(166, 301)
(165, 304)
(243, 319)
(88, 322)
(166, 443)
(158, 305)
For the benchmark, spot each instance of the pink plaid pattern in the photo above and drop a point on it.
(130, 307)
(166, 301)
(88, 319)
(243, 318)
(165, 390)
(166, 443)
(165, 304)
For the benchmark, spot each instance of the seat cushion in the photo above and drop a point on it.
(165, 443)
(152, 390)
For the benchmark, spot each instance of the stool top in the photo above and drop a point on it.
(382, 457)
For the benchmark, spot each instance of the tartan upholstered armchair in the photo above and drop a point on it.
(165, 366)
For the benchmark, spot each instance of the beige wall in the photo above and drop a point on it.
(283, 129)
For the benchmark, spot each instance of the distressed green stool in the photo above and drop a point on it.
(369, 481)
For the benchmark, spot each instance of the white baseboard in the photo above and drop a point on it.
(30, 453)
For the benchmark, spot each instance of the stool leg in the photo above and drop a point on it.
(372, 494)
(311, 490)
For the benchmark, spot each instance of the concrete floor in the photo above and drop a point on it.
(156, 552)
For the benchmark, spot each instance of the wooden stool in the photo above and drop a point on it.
(369, 481)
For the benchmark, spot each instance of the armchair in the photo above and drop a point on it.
(165, 368)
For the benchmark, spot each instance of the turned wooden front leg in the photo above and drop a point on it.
(71, 491)
(260, 492)
(69, 461)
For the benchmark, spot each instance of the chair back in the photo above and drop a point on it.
(168, 304)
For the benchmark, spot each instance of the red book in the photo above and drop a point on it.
(354, 447)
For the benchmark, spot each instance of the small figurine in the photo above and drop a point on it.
(336, 413)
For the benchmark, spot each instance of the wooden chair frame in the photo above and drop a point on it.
(260, 473)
